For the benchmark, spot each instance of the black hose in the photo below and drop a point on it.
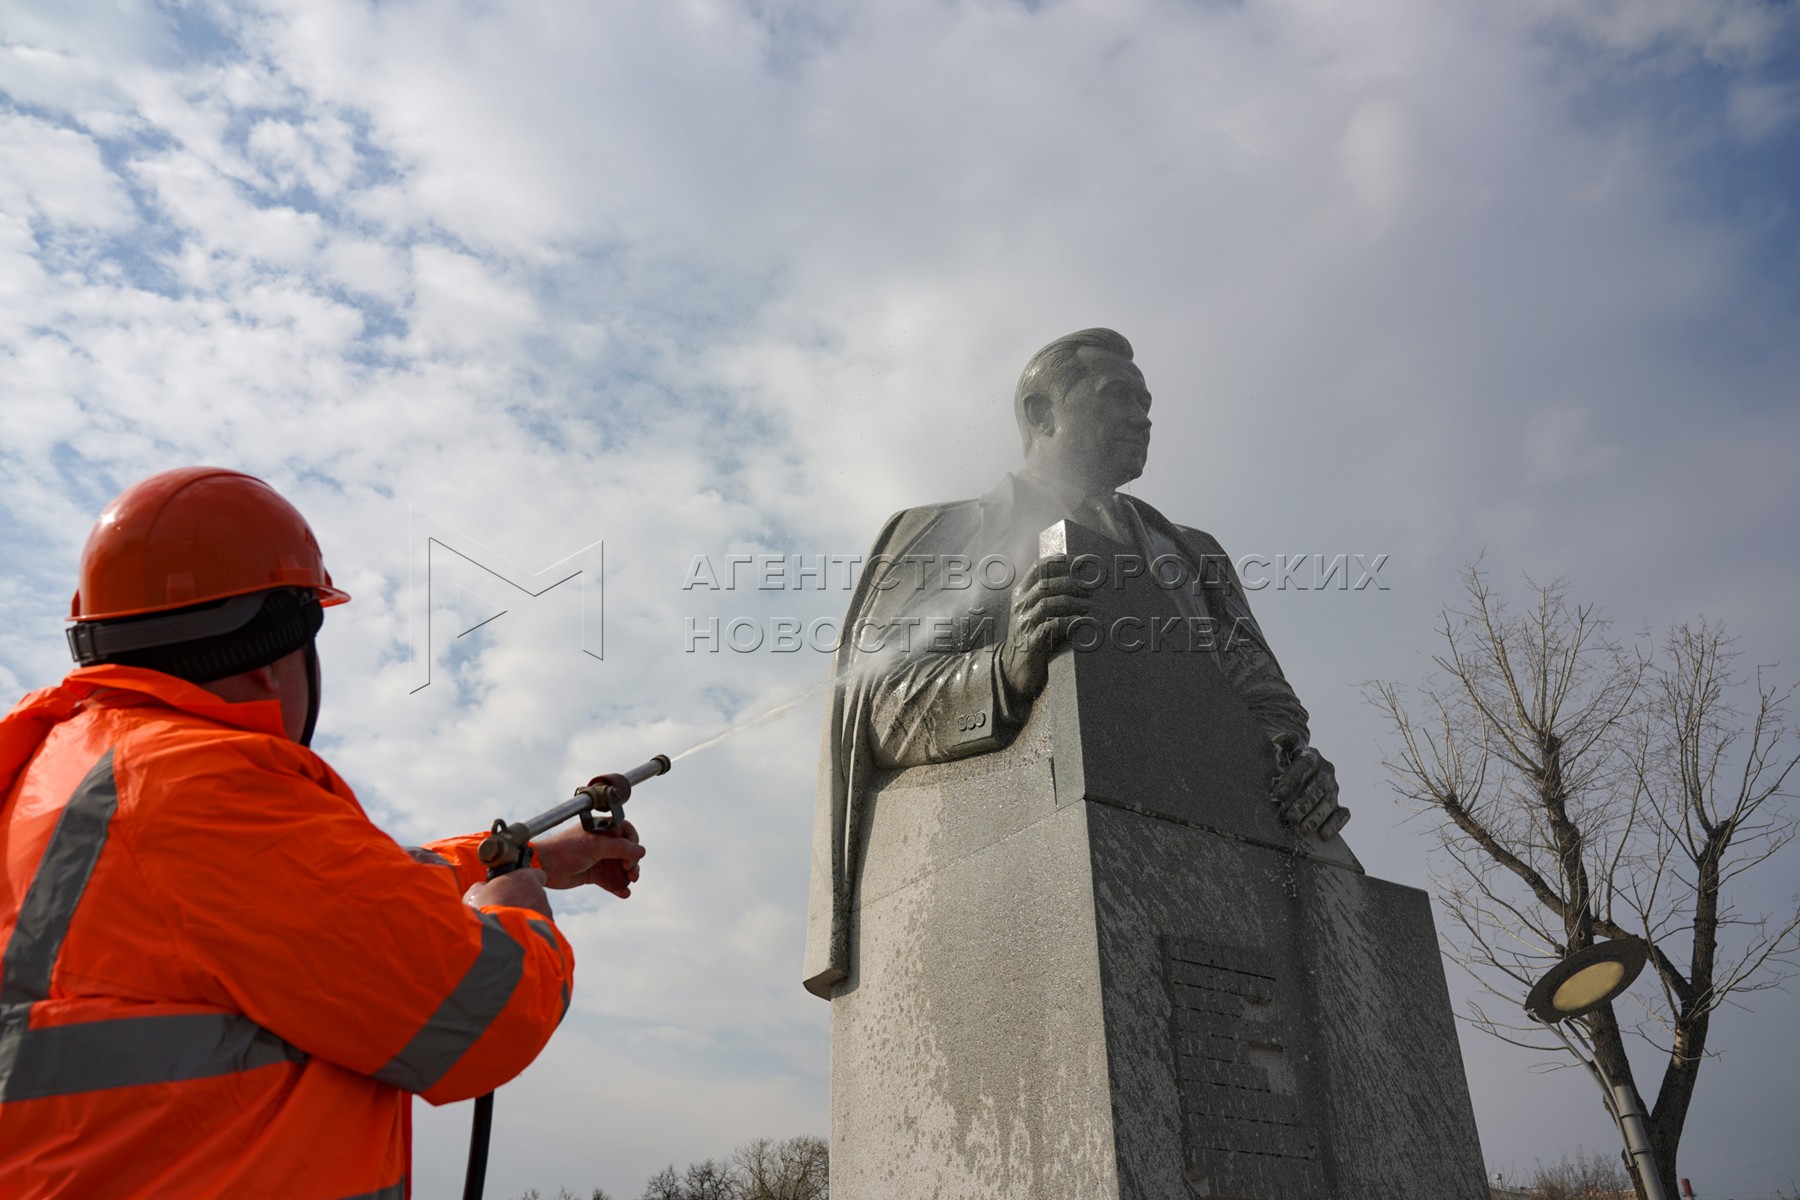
(479, 1134)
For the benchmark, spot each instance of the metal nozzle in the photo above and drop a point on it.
(659, 764)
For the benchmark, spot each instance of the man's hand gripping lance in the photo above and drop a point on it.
(600, 804)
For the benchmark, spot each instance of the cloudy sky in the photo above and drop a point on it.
(539, 283)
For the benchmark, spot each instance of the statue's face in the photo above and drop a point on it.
(1102, 435)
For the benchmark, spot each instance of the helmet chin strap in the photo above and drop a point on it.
(312, 691)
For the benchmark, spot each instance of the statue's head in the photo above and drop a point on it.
(1084, 411)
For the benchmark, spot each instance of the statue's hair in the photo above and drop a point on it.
(1057, 367)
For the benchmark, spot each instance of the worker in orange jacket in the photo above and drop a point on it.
(217, 977)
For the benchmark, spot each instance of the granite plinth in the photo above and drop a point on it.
(1093, 965)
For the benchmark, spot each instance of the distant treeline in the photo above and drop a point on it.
(764, 1169)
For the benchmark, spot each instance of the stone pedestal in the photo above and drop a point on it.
(1094, 966)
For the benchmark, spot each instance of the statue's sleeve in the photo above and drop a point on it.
(937, 706)
(1243, 652)
(923, 642)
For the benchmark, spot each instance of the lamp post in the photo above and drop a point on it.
(1576, 986)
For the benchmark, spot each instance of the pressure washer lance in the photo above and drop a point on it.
(601, 807)
(508, 847)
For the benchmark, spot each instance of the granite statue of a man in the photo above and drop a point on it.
(955, 619)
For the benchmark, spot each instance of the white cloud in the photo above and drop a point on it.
(1758, 110)
(461, 305)
(1720, 30)
(318, 154)
(1560, 447)
(55, 176)
(1376, 151)
(367, 265)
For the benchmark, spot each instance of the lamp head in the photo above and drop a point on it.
(1587, 979)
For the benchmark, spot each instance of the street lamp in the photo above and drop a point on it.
(1576, 986)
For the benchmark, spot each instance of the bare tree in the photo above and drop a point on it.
(796, 1169)
(1588, 790)
(1580, 1176)
(664, 1185)
(709, 1180)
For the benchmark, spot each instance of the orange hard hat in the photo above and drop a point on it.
(193, 535)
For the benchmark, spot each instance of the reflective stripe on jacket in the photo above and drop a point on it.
(217, 977)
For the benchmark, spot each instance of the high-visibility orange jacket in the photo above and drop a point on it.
(217, 977)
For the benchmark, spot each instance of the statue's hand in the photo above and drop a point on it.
(1044, 602)
(1306, 789)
